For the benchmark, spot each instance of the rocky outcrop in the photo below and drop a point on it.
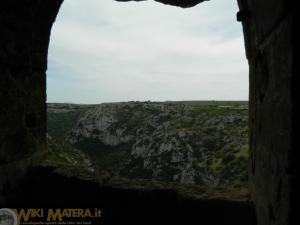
(187, 142)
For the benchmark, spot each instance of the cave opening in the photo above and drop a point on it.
(269, 30)
(147, 130)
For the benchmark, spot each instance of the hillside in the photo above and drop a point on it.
(196, 142)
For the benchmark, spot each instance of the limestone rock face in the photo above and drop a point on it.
(97, 124)
(187, 142)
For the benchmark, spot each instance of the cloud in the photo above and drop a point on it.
(110, 51)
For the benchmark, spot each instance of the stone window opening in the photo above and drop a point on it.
(269, 32)
(184, 149)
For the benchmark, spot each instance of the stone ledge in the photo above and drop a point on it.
(43, 187)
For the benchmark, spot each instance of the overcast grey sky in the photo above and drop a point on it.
(107, 51)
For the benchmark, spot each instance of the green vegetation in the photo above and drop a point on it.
(59, 124)
(187, 142)
(106, 157)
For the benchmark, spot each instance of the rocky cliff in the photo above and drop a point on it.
(202, 143)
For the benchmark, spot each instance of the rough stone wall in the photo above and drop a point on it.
(268, 32)
(24, 39)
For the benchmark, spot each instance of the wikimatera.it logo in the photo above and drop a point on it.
(40, 216)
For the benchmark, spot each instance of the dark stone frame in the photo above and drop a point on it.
(271, 43)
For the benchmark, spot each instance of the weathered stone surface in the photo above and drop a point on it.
(271, 140)
(24, 39)
(267, 15)
(270, 51)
